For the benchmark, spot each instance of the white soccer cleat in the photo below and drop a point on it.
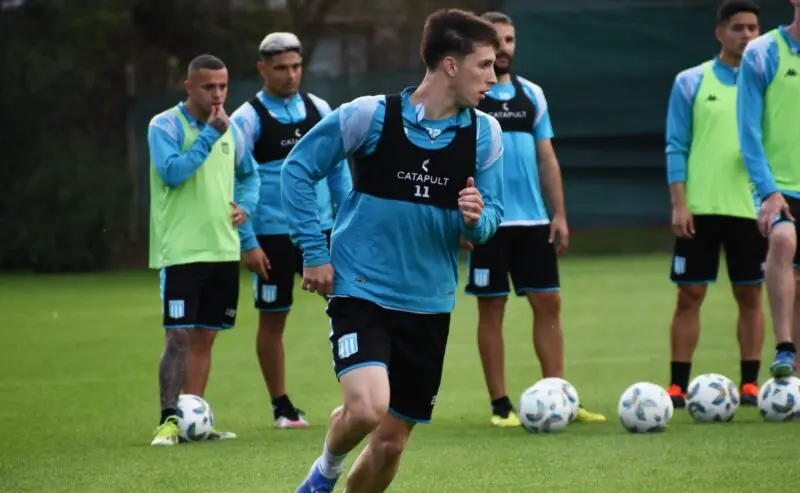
(285, 423)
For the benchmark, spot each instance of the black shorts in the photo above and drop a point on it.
(276, 293)
(523, 252)
(696, 260)
(794, 208)
(411, 346)
(202, 295)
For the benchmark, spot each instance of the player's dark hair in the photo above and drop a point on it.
(495, 17)
(454, 32)
(729, 8)
(208, 62)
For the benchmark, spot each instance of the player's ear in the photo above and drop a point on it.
(187, 84)
(449, 66)
(718, 32)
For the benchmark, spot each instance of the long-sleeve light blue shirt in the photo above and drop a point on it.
(759, 67)
(415, 268)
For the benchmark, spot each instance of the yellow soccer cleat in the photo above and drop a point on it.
(585, 416)
(167, 433)
(510, 421)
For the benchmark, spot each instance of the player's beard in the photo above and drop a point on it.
(504, 68)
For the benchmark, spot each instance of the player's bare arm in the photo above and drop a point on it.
(551, 177)
(682, 219)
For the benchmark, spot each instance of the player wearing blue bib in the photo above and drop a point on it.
(523, 247)
(427, 169)
(272, 122)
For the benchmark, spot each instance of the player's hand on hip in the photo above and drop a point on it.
(773, 208)
(318, 279)
(257, 262)
(219, 119)
(682, 222)
(238, 215)
(559, 229)
(470, 203)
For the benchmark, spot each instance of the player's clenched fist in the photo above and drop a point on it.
(219, 119)
(470, 203)
(318, 279)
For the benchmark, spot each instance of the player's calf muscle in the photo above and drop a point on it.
(172, 369)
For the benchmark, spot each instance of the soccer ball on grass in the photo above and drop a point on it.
(712, 398)
(644, 407)
(195, 418)
(544, 409)
(779, 399)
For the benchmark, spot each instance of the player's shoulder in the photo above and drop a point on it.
(322, 105)
(691, 75)
(245, 111)
(534, 90)
(361, 109)
(489, 138)
(762, 44)
(168, 122)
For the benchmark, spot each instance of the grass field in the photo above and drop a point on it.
(79, 396)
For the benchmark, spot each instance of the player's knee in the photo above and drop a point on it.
(546, 303)
(389, 448)
(782, 244)
(365, 414)
(691, 297)
(748, 297)
(272, 323)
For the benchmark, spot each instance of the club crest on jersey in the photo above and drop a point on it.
(177, 309)
(224, 147)
(481, 277)
(433, 133)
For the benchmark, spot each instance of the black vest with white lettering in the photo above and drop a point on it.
(277, 139)
(400, 170)
(514, 115)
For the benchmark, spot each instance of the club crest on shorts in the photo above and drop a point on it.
(177, 309)
(679, 265)
(269, 293)
(347, 345)
(481, 277)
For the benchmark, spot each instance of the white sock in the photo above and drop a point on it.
(330, 465)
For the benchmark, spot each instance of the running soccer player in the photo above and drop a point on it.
(272, 122)
(203, 185)
(768, 105)
(713, 204)
(427, 168)
(524, 244)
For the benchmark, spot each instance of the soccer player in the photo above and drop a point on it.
(769, 132)
(524, 244)
(203, 185)
(713, 204)
(427, 168)
(272, 123)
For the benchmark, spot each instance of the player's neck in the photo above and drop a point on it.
(794, 28)
(274, 95)
(195, 111)
(730, 59)
(435, 94)
(504, 79)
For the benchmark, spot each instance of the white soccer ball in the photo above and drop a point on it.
(644, 407)
(779, 399)
(569, 392)
(195, 418)
(544, 409)
(712, 398)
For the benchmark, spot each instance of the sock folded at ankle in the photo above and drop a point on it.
(330, 465)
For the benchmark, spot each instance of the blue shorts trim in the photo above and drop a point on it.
(406, 418)
(274, 310)
(754, 282)
(361, 365)
(487, 295)
(781, 221)
(199, 326)
(694, 283)
(522, 291)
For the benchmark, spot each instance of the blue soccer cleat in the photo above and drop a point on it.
(784, 365)
(315, 482)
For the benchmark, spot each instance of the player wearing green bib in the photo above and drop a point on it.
(768, 115)
(713, 204)
(203, 186)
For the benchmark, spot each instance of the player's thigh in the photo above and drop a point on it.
(696, 260)
(488, 266)
(359, 335)
(745, 251)
(419, 343)
(220, 296)
(275, 294)
(533, 264)
(181, 288)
